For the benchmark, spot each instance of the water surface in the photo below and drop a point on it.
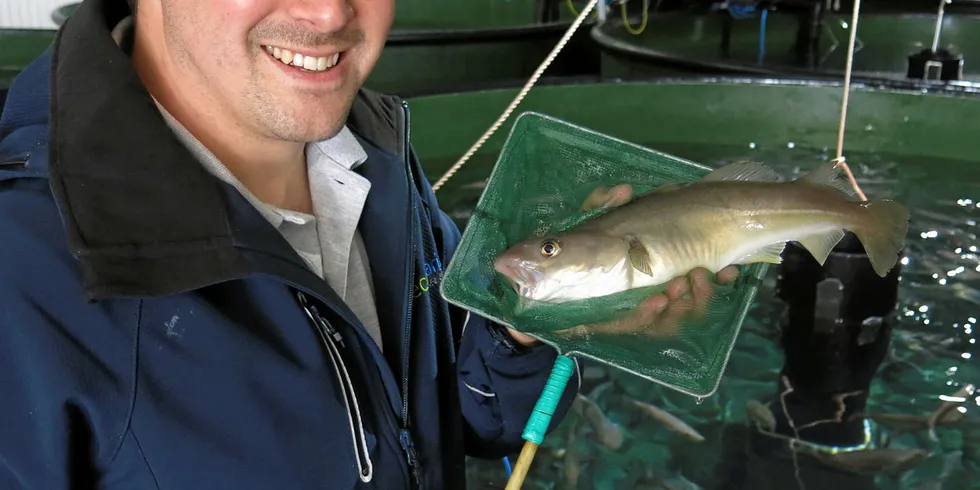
(931, 352)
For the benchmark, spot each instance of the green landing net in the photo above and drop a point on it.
(543, 175)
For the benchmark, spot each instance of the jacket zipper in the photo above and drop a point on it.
(405, 435)
(334, 342)
(332, 339)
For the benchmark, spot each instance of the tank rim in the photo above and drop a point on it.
(403, 37)
(916, 87)
(624, 50)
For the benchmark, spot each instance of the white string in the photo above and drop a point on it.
(571, 31)
(520, 96)
(843, 107)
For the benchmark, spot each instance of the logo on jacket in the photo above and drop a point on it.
(431, 276)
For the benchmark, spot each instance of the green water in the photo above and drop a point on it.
(930, 354)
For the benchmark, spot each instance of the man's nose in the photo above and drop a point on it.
(322, 15)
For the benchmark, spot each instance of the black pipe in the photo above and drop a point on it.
(835, 334)
(547, 11)
(726, 36)
(808, 35)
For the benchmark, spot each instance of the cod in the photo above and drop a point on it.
(738, 214)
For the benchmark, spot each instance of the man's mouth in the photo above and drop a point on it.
(309, 63)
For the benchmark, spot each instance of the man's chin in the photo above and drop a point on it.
(312, 128)
(325, 123)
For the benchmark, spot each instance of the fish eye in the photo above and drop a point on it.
(550, 247)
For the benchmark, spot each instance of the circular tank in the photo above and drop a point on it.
(905, 141)
(804, 40)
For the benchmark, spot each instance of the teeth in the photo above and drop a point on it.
(309, 63)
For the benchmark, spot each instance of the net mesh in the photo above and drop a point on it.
(545, 171)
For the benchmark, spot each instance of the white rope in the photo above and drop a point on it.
(843, 107)
(939, 24)
(520, 96)
(571, 31)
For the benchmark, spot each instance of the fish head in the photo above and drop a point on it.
(566, 266)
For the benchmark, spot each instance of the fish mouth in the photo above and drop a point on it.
(520, 275)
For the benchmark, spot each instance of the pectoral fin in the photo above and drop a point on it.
(770, 253)
(639, 257)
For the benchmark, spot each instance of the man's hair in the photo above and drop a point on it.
(132, 5)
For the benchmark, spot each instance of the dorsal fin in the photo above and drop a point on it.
(832, 175)
(744, 171)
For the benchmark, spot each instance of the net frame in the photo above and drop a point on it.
(473, 284)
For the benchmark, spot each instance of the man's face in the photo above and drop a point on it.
(284, 69)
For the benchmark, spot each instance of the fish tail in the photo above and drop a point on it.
(883, 233)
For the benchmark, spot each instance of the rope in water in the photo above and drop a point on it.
(843, 108)
(520, 96)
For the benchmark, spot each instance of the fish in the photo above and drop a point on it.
(609, 433)
(670, 421)
(761, 416)
(741, 213)
(872, 461)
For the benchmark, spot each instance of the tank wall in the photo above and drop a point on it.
(903, 123)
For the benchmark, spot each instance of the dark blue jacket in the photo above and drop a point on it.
(157, 332)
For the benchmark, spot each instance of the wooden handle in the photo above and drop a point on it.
(523, 464)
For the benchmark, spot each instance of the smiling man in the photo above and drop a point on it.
(209, 247)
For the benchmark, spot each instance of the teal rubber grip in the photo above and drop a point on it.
(537, 424)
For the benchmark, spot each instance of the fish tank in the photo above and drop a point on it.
(806, 38)
(911, 142)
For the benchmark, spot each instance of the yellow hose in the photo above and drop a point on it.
(626, 22)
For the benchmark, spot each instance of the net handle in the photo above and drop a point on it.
(540, 419)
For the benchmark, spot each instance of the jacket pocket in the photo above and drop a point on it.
(363, 442)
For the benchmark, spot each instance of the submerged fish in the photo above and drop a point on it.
(670, 421)
(872, 461)
(737, 214)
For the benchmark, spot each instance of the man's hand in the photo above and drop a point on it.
(657, 315)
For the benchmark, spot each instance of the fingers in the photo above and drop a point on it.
(601, 196)
(647, 318)
(727, 275)
(522, 338)
(701, 289)
(685, 298)
(619, 195)
(640, 318)
(678, 287)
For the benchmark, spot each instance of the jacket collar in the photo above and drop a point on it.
(141, 214)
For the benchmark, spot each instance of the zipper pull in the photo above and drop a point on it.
(331, 331)
(413, 457)
(314, 315)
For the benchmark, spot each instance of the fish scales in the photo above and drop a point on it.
(738, 214)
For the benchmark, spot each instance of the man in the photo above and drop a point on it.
(210, 239)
